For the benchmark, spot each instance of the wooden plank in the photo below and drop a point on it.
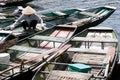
(57, 33)
(90, 59)
(44, 43)
(101, 28)
(88, 50)
(81, 21)
(56, 54)
(59, 13)
(27, 49)
(48, 38)
(110, 55)
(28, 56)
(67, 75)
(63, 49)
(40, 56)
(89, 14)
(66, 26)
(90, 39)
(5, 32)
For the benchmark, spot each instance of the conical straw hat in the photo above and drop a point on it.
(28, 10)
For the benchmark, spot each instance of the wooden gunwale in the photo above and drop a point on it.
(48, 38)
(27, 49)
(90, 14)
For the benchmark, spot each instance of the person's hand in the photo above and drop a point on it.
(43, 26)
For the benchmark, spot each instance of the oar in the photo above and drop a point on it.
(3, 14)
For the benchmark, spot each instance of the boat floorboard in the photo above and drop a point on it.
(88, 50)
(88, 58)
(67, 75)
(27, 56)
(99, 39)
(58, 33)
(48, 38)
(89, 14)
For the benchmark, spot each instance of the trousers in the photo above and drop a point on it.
(30, 26)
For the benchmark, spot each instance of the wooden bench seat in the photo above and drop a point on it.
(48, 38)
(67, 75)
(67, 26)
(90, 14)
(88, 50)
(45, 43)
(28, 56)
(89, 59)
(90, 39)
(59, 13)
(27, 49)
(81, 21)
(40, 57)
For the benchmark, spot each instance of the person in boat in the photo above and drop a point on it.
(28, 20)
(17, 12)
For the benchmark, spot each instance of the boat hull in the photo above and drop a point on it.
(31, 51)
(83, 60)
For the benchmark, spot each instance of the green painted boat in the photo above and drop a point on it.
(83, 18)
(92, 55)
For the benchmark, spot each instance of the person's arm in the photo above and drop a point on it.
(18, 21)
(40, 20)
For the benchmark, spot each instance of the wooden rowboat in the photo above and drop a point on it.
(92, 55)
(83, 18)
(27, 55)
